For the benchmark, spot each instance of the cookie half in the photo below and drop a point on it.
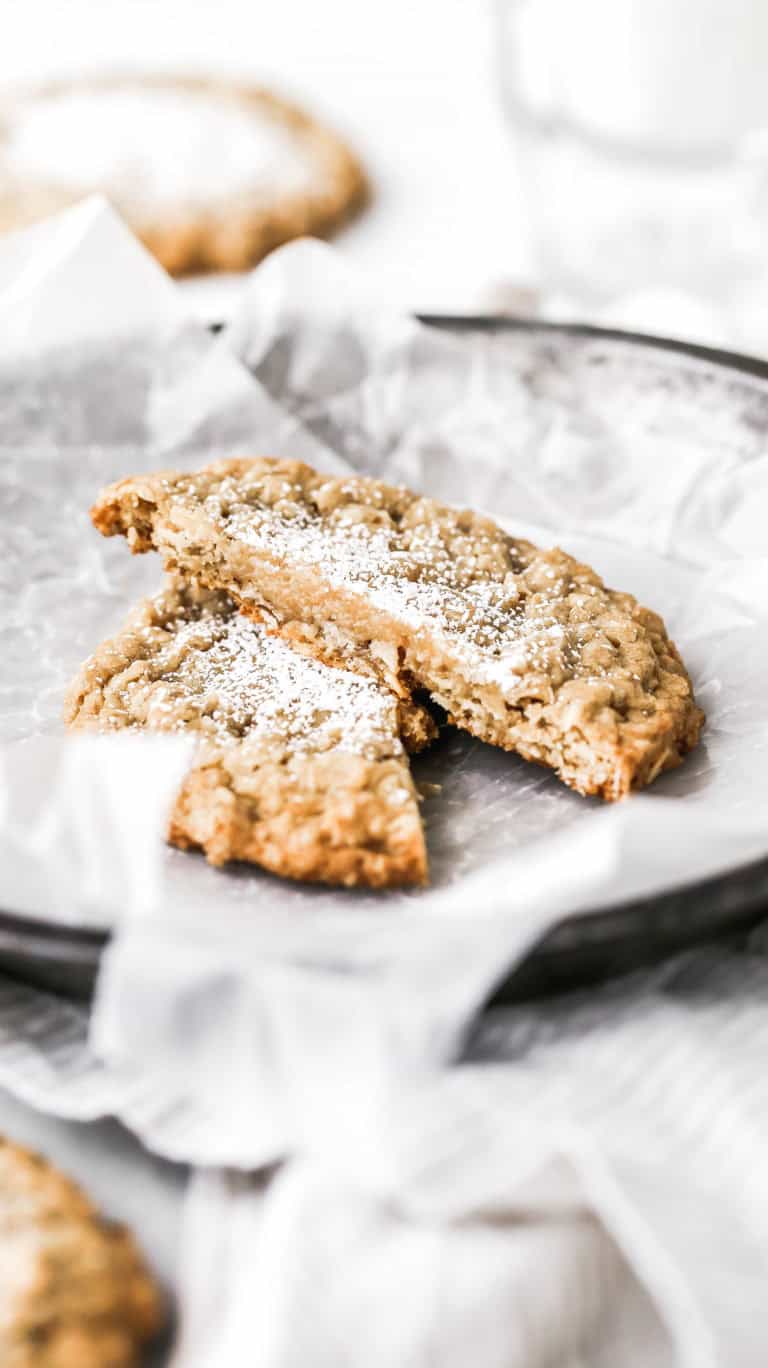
(210, 175)
(524, 648)
(75, 1290)
(301, 762)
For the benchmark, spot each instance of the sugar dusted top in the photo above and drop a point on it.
(153, 145)
(227, 677)
(524, 648)
(509, 611)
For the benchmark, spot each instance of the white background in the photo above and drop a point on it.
(411, 83)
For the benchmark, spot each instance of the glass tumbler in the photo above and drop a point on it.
(641, 134)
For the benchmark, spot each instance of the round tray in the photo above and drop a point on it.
(583, 948)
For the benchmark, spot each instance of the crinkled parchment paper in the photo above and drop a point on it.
(648, 465)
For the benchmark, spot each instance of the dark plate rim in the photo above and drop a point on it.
(749, 879)
(730, 360)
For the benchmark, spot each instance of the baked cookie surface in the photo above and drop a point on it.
(300, 763)
(210, 175)
(524, 648)
(75, 1291)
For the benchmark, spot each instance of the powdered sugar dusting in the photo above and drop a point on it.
(503, 609)
(227, 677)
(153, 146)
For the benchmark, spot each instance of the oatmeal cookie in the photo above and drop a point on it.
(76, 1290)
(300, 765)
(525, 648)
(210, 175)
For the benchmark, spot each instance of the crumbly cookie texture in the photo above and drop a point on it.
(210, 174)
(525, 648)
(300, 765)
(76, 1291)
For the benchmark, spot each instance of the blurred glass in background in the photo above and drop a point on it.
(641, 134)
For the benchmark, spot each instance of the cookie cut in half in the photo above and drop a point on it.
(76, 1292)
(525, 648)
(301, 762)
(210, 175)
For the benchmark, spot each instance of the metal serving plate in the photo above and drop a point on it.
(583, 948)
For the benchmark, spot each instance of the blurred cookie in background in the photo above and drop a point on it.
(210, 175)
(74, 1290)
